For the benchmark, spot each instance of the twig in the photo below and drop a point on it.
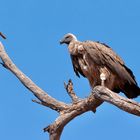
(70, 91)
(2, 35)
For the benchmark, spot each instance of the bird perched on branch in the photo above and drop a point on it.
(101, 66)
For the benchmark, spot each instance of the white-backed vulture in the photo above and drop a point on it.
(101, 66)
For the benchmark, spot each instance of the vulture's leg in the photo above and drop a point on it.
(103, 78)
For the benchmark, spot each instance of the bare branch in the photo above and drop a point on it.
(125, 104)
(2, 35)
(67, 112)
(37, 91)
(76, 109)
(70, 91)
(39, 102)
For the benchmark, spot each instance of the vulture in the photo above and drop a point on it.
(101, 66)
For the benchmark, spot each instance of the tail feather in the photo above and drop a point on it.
(131, 91)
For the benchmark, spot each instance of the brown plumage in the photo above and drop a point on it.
(101, 66)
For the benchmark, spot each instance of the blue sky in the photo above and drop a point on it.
(33, 29)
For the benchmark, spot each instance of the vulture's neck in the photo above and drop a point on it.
(73, 47)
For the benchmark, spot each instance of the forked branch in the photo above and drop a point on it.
(67, 112)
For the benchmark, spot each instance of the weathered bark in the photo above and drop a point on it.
(125, 104)
(67, 112)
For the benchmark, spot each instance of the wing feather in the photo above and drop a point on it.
(103, 55)
(76, 66)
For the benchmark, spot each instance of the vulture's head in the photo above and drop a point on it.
(68, 38)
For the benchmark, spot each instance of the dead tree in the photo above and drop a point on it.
(67, 112)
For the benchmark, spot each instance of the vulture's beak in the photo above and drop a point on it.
(61, 41)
